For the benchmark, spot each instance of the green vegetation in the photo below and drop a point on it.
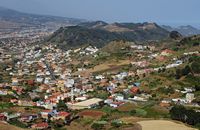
(58, 124)
(98, 125)
(17, 123)
(4, 105)
(141, 112)
(99, 94)
(116, 123)
(77, 36)
(88, 34)
(61, 106)
(189, 116)
(156, 112)
(60, 128)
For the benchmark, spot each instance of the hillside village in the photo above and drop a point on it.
(44, 87)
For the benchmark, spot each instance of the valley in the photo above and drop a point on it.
(59, 73)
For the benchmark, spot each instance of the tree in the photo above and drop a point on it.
(1, 78)
(197, 87)
(196, 44)
(116, 124)
(36, 99)
(58, 123)
(195, 67)
(97, 126)
(61, 106)
(191, 115)
(132, 112)
(186, 70)
(178, 113)
(175, 35)
(178, 74)
(102, 94)
(197, 100)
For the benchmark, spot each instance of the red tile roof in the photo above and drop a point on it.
(2, 115)
(134, 89)
(168, 51)
(161, 58)
(64, 114)
(40, 125)
(118, 103)
(46, 111)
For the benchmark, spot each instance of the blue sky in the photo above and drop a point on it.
(161, 11)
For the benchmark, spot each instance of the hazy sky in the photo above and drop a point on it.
(161, 11)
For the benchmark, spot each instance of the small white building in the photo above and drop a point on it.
(119, 97)
(189, 97)
(99, 77)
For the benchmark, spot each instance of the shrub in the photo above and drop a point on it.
(116, 123)
(141, 112)
(180, 113)
(97, 126)
(17, 123)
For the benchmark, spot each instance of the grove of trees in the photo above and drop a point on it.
(188, 116)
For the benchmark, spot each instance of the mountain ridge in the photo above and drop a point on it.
(99, 33)
(187, 30)
(19, 19)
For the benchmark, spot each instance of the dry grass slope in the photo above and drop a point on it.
(163, 124)
(5, 126)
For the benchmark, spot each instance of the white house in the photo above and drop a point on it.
(189, 97)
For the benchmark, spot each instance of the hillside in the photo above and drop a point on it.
(76, 36)
(5, 126)
(184, 30)
(115, 47)
(100, 33)
(138, 31)
(10, 19)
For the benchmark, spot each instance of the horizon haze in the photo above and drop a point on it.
(171, 12)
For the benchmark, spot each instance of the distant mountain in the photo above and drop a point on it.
(15, 19)
(76, 36)
(96, 24)
(175, 35)
(184, 30)
(100, 33)
(136, 31)
(192, 40)
(124, 27)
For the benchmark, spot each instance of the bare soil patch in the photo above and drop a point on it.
(92, 113)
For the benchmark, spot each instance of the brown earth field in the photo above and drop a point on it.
(92, 113)
(105, 66)
(25, 110)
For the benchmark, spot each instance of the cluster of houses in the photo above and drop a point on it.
(48, 79)
(145, 67)
(88, 50)
(4, 56)
(187, 100)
